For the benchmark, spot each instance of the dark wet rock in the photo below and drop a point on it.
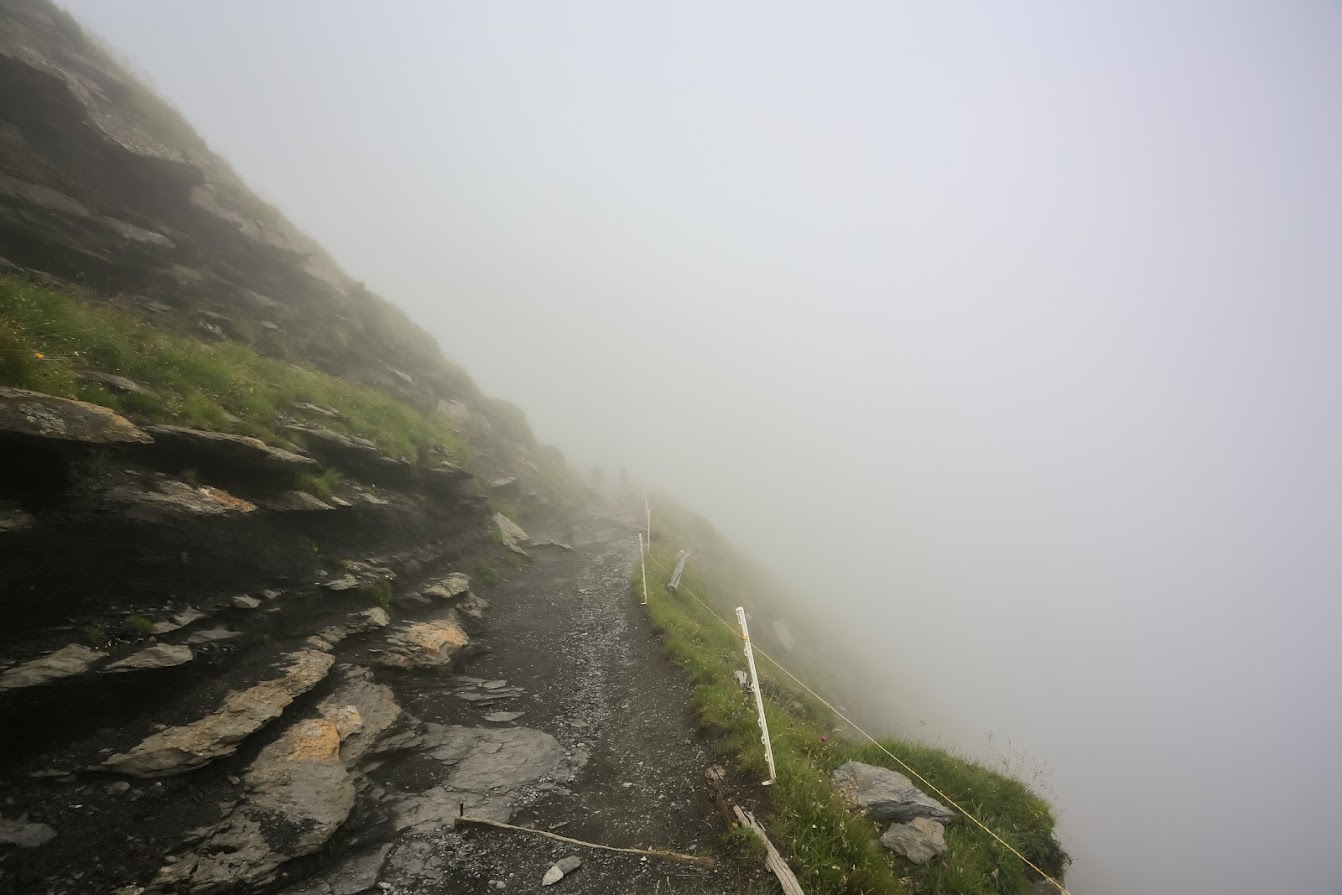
(217, 734)
(511, 533)
(414, 863)
(344, 582)
(162, 501)
(162, 655)
(180, 620)
(297, 502)
(358, 623)
(114, 382)
(301, 787)
(503, 717)
(215, 325)
(433, 643)
(349, 452)
(473, 607)
(488, 766)
(319, 410)
(454, 410)
(25, 833)
(442, 479)
(65, 662)
(358, 874)
(376, 706)
(213, 635)
(887, 795)
(449, 588)
(29, 416)
(16, 521)
(919, 840)
(238, 454)
(505, 486)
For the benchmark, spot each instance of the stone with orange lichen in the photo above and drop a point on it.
(427, 644)
(313, 739)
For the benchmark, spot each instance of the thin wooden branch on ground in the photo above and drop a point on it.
(774, 861)
(693, 860)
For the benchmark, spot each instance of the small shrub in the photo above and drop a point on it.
(139, 625)
(95, 636)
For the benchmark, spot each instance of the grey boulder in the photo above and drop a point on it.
(887, 795)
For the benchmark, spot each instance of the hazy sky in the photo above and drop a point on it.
(1013, 331)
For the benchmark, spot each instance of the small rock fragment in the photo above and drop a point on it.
(919, 840)
(162, 655)
(560, 869)
(501, 717)
(245, 602)
(24, 834)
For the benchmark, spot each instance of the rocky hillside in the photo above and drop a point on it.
(236, 489)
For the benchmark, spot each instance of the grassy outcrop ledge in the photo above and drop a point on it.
(50, 336)
(831, 849)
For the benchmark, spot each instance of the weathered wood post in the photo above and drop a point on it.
(681, 559)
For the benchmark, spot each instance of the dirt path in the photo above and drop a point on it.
(567, 631)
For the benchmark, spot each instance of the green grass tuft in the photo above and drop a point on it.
(321, 486)
(138, 625)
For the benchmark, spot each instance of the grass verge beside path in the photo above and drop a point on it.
(831, 849)
(48, 336)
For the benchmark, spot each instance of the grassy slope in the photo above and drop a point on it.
(47, 335)
(831, 849)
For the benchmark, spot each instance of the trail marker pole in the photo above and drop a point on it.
(644, 565)
(647, 506)
(759, 697)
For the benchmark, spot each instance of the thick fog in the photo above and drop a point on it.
(1009, 333)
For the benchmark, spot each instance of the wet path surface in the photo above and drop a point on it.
(569, 633)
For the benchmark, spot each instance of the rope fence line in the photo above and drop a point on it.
(875, 742)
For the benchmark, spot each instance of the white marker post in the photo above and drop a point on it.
(644, 564)
(647, 506)
(759, 697)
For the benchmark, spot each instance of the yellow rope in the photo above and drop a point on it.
(875, 742)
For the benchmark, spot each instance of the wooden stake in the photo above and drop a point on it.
(774, 861)
(692, 860)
